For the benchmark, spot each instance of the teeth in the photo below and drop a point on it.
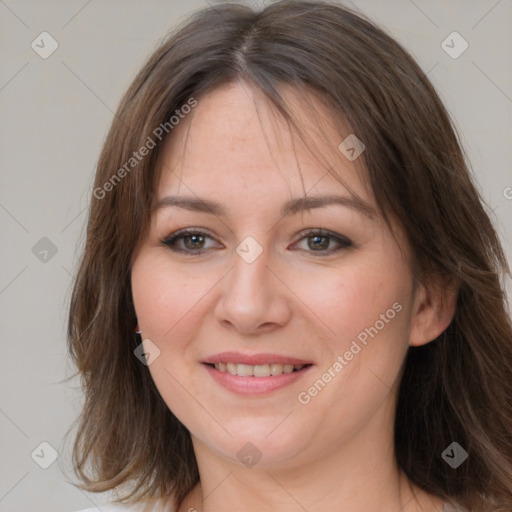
(259, 370)
(244, 370)
(262, 370)
(276, 369)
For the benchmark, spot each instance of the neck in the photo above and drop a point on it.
(360, 475)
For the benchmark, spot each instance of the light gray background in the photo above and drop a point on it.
(55, 113)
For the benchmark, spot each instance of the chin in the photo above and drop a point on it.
(265, 442)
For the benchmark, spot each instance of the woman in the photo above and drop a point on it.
(290, 293)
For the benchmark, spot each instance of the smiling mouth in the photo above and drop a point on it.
(259, 370)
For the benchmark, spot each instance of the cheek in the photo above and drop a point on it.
(366, 308)
(169, 304)
(368, 314)
(166, 299)
(350, 299)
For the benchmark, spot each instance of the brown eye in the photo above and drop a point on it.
(318, 242)
(193, 241)
(323, 242)
(190, 242)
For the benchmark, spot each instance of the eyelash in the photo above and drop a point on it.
(170, 241)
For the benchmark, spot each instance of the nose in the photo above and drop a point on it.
(254, 300)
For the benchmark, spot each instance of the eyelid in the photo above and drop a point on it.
(192, 231)
(322, 232)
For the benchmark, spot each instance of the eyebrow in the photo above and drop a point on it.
(291, 207)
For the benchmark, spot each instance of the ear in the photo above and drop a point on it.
(433, 309)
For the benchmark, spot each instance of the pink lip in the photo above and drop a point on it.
(253, 360)
(254, 385)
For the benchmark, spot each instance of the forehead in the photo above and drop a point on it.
(235, 141)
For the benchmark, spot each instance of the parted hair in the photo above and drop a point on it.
(457, 388)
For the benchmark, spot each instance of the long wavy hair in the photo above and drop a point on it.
(456, 388)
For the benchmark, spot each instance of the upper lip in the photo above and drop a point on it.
(253, 359)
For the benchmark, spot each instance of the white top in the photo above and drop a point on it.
(115, 508)
(138, 507)
(111, 508)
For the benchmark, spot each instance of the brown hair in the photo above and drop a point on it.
(456, 388)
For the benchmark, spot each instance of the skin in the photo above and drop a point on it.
(336, 451)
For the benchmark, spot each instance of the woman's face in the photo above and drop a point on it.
(270, 280)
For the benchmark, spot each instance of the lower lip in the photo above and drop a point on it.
(254, 385)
